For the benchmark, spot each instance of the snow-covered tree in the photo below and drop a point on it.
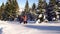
(51, 10)
(58, 10)
(11, 9)
(41, 9)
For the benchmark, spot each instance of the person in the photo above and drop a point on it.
(20, 19)
(25, 19)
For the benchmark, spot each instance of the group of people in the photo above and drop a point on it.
(23, 19)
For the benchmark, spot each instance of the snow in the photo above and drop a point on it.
(13, 27)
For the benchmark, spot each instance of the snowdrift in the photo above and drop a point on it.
(13, 27)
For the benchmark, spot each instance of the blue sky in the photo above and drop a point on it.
(21, 3)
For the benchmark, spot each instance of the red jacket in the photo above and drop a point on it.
(25, 18)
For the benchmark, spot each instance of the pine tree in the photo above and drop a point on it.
(33, 12)
(39, 5)
(26, 9)
(15, 8)
(11, 10)
(8, 10)
(58, 9)
(42, 9)
(51, 11)
(34, 8)
(1, 10)
(27, 6)
(53, 2)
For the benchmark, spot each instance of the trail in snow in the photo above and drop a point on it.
(7, 27)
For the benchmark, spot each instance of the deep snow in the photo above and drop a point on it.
(8, 27)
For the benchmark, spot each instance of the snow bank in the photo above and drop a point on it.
(7, 27)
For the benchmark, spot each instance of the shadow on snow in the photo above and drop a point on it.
(1, 30)
(52, 28)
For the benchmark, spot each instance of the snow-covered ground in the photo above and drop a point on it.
(7, 27)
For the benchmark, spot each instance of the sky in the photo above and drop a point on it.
(22, 3)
